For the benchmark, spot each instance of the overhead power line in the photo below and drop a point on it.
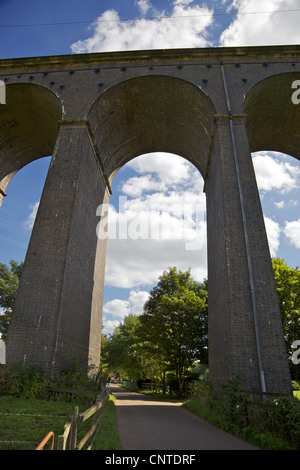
(123, 20)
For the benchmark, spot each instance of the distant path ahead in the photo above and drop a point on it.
(147, 423)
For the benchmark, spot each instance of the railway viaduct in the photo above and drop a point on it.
(93, 113)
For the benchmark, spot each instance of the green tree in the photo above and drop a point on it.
(175, 322)
(129, 355)
(126, 354)
(9, 283)
(288, 290)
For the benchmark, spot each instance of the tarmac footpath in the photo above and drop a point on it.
(148, 423)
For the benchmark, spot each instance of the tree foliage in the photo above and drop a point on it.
(170, 334)
(175, 322)
(9, 283)
(288, 290)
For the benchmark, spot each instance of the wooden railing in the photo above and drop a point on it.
(154, 387)
(42, 444)
(69, 439)
(71, 387)
(253, 393)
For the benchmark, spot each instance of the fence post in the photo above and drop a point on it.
(73, 432)
(68, 441)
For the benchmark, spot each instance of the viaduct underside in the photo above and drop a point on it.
(93, 113)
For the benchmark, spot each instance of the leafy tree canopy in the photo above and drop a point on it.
(288, 290)
(9, 283)
(175, 321)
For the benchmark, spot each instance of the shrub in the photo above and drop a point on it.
(5, 380)
(269, 427)
(234, 404)
(27, 382)
(285, 418)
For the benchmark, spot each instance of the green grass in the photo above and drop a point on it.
(108, 436)
(202, 408)
(26, 432)
(18, 432)
(265, 441)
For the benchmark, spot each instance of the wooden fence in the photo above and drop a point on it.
(154, 387)
(69, 439)
(71, 387)
(263, 395)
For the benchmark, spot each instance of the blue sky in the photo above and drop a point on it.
(40, 28)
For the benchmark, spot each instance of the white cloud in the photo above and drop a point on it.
(132, 263)
(190, 25)
(144, 6)
(117, 308)
(29, 222)
(137, 300)
(283, 204)
(120, 308)
(265, 28)
(273, 174)
(183, 28)
(280, 204)
(292, 232)
(154, 231)
(273, 233)
(109, 325)
(138, 185)
(170, 168)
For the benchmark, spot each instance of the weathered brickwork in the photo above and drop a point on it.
(95, 112)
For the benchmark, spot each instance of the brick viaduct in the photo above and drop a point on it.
(95, 112)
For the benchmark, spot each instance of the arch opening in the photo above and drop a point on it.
(152, 114)
(272, 117)
(28, 128)
(151, 119)
(156, 220)
(278, 181)
(28, 131)
(272, 127)
(273, 114)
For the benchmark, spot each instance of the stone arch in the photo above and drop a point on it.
(152, 114)
(28, 128)
(272, 120)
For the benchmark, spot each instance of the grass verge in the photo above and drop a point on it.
(25, 422)
(266, 441)
(108, 435)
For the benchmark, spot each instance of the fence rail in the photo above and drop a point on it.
(42, 444)
(69, 439)
(91, 388)
(252, 393)
(154, 387)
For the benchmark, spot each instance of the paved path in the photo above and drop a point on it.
(147, 423)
